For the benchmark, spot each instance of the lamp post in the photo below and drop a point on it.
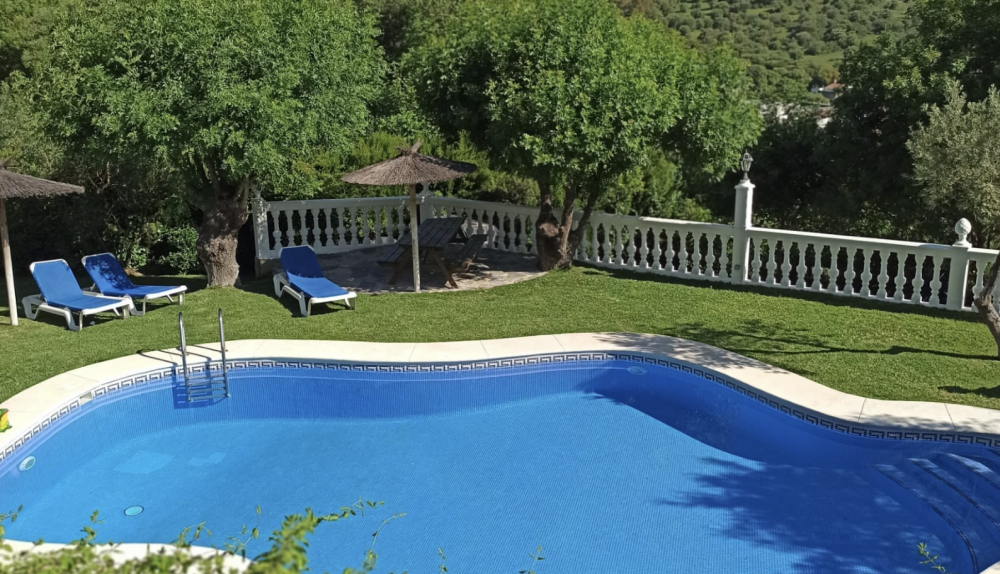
(745, 164)
(742, 222)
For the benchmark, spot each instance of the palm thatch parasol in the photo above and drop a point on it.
(15, 185)
(410, 168)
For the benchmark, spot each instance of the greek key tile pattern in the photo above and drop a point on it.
(166, 377)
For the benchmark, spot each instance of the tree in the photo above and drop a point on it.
(956, 158)
(232, 94)
(575, 96)
(890, 81)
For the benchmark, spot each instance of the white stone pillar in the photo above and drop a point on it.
(261, 237)
(958, 270)
(742, 223)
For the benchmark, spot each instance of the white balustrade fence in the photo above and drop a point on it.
(944, 276)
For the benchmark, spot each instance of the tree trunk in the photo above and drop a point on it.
(225, 214)
(984, 304)
(556, 240)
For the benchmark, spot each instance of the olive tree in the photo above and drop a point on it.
(574, 95)
(232, 94)
(956, 162)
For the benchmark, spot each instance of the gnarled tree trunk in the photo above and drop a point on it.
(556, 240)
(984, 304)
(225, 212)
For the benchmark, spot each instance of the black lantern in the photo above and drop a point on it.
(745, 164)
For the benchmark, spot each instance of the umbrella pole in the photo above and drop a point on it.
(8, 269)
(414, 237)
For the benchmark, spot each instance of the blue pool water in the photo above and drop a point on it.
(605, 469)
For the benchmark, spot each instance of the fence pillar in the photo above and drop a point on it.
(742, 224)
(262, 241)
(958, 270)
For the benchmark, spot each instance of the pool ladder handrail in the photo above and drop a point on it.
(204, 389)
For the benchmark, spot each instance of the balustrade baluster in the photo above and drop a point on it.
(689, 251)
(817, 268)
(883, 274)
(900, 280)
(772, 261)
(277, 231)
(518, 240)
(301, 214)
(605, 244)
(866, 274)
(919, 279)
(834, 270)
(366, 229)
(755, 260)
(935, 296)
(657, 250)
(849, 272)
(591, 239)
(800, 267)
(631, 248)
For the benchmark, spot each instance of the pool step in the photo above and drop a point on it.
(960, 491)
(206, 390)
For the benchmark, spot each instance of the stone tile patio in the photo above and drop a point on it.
(359, 271)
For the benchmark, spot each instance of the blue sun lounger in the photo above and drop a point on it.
(110, 279)
(61, 295)
(304, 280)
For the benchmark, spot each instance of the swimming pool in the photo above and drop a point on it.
(608, 461)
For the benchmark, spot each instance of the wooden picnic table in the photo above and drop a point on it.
(435, 234)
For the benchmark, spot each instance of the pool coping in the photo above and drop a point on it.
(36, 408)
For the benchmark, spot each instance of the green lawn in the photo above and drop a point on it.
(876, 350)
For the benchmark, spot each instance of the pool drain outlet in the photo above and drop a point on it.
(26, 464)
(134, 510)
(637, 370)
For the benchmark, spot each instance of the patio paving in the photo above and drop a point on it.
(359, 271)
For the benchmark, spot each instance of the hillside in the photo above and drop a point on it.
(789, 43)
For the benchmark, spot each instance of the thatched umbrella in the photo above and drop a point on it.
(411, 168)
(14, 185)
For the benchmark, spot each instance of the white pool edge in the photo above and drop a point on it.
(34, 409)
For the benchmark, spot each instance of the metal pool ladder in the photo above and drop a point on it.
(203, 386)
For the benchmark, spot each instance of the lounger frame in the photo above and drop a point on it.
(281, 285)
(35, 304)
(169, 294)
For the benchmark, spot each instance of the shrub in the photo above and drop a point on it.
(175, 250)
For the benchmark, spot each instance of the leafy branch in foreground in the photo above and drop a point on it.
(535, 559)
(12, 516)
(930, 560)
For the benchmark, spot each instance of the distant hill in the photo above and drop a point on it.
(790, 43)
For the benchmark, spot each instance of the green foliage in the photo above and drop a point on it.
(25, 26)
(930, 560)
(570, 92)
(224, 98)
(536, 557)
(288, 553)
(24, 139)
(12, 517)
(789, 43)
(956, 158)
(175, 250)
(857, 176)
(227, 103)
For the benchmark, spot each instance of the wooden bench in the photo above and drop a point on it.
(469, 252)
(393, 256)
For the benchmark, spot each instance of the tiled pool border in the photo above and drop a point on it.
(810, 413)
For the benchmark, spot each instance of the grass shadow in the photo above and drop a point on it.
(817, 297)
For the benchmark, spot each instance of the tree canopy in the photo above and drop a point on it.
(228, 101)
(576, 96)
